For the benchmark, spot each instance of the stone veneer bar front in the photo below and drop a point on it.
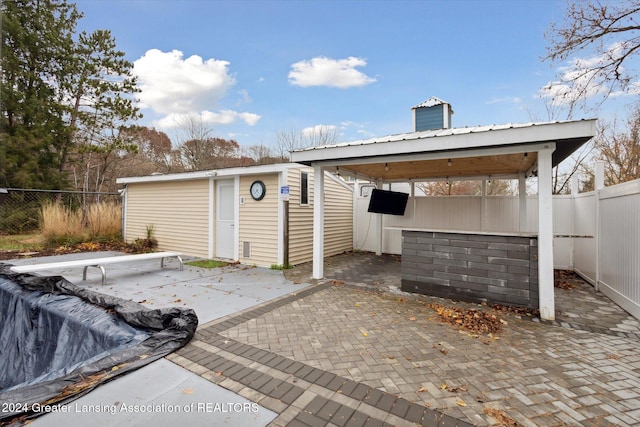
(500, 268)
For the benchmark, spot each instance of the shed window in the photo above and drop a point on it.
(304, 188)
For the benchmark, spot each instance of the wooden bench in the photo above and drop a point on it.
(99, 263)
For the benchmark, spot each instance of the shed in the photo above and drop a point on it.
(257, 215)
(479, 152)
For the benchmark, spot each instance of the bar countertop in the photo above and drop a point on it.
(484, 233)
(490, 233)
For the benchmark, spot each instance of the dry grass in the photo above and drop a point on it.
(64, 226)
(61, 225)
(104, 221)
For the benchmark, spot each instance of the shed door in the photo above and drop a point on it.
(225, 219)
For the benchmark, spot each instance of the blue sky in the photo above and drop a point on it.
(252, 69)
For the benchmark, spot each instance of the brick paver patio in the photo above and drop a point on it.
(353, 350)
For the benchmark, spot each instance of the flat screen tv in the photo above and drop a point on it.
(388, 202)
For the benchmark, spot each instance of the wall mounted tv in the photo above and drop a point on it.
(388, 202)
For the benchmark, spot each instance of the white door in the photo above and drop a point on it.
(225, 219)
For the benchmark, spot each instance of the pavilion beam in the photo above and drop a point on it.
(432, 155)
(545, 233)
(318, 221)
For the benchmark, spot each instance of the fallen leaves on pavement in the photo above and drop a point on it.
(518, 311)
(476, 321)
(502, 419)
(565, 279)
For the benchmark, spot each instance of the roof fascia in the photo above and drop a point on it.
(452, 142)
(227, 172)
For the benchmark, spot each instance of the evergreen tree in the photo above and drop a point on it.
(35, 35)
(65, 97)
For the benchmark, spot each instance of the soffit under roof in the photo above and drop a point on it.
(463, 167)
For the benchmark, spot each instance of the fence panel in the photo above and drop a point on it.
(584, 249)
(20, 209)
(619, 245)
(470, 213)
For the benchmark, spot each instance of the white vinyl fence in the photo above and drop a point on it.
(597, 234)
(617, 256)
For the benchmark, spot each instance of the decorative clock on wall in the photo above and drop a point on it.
(258, 190)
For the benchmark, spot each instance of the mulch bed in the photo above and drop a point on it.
(72, 249)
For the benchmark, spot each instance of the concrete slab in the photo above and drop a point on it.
(212, 293)
(163, 386)
(161, 394)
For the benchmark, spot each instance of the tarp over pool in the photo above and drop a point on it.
(58, 341)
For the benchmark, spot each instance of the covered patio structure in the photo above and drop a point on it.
(509, 151)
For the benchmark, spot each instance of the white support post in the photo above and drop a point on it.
(379, 225)
(545, 234)
(356, 195)
(318, 221)
(599, 183)
(522, 195)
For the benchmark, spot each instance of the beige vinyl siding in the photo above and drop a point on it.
(259, 221)
(178, 211)
(300, 219)
(338, 217)
(338, 224)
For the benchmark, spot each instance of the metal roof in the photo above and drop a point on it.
(507, 149)
(431, 102)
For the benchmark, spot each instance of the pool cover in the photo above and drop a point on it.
(58, 341)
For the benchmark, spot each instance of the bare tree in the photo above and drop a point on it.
(575, 164)
(210, 153)
(612, 31)
(263, 155)
(294, 139)
(189, 127)
(620, 149)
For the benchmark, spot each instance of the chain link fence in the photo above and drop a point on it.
(21, 209)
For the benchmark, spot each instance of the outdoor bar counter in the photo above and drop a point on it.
(492, 267)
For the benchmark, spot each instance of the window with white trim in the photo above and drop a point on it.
(304, 188)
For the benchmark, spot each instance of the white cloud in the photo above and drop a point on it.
(323, 71)
(224, 117)
(319, 130)
(244, 97)
(505, 100)
(173, 86)
(365, 133)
